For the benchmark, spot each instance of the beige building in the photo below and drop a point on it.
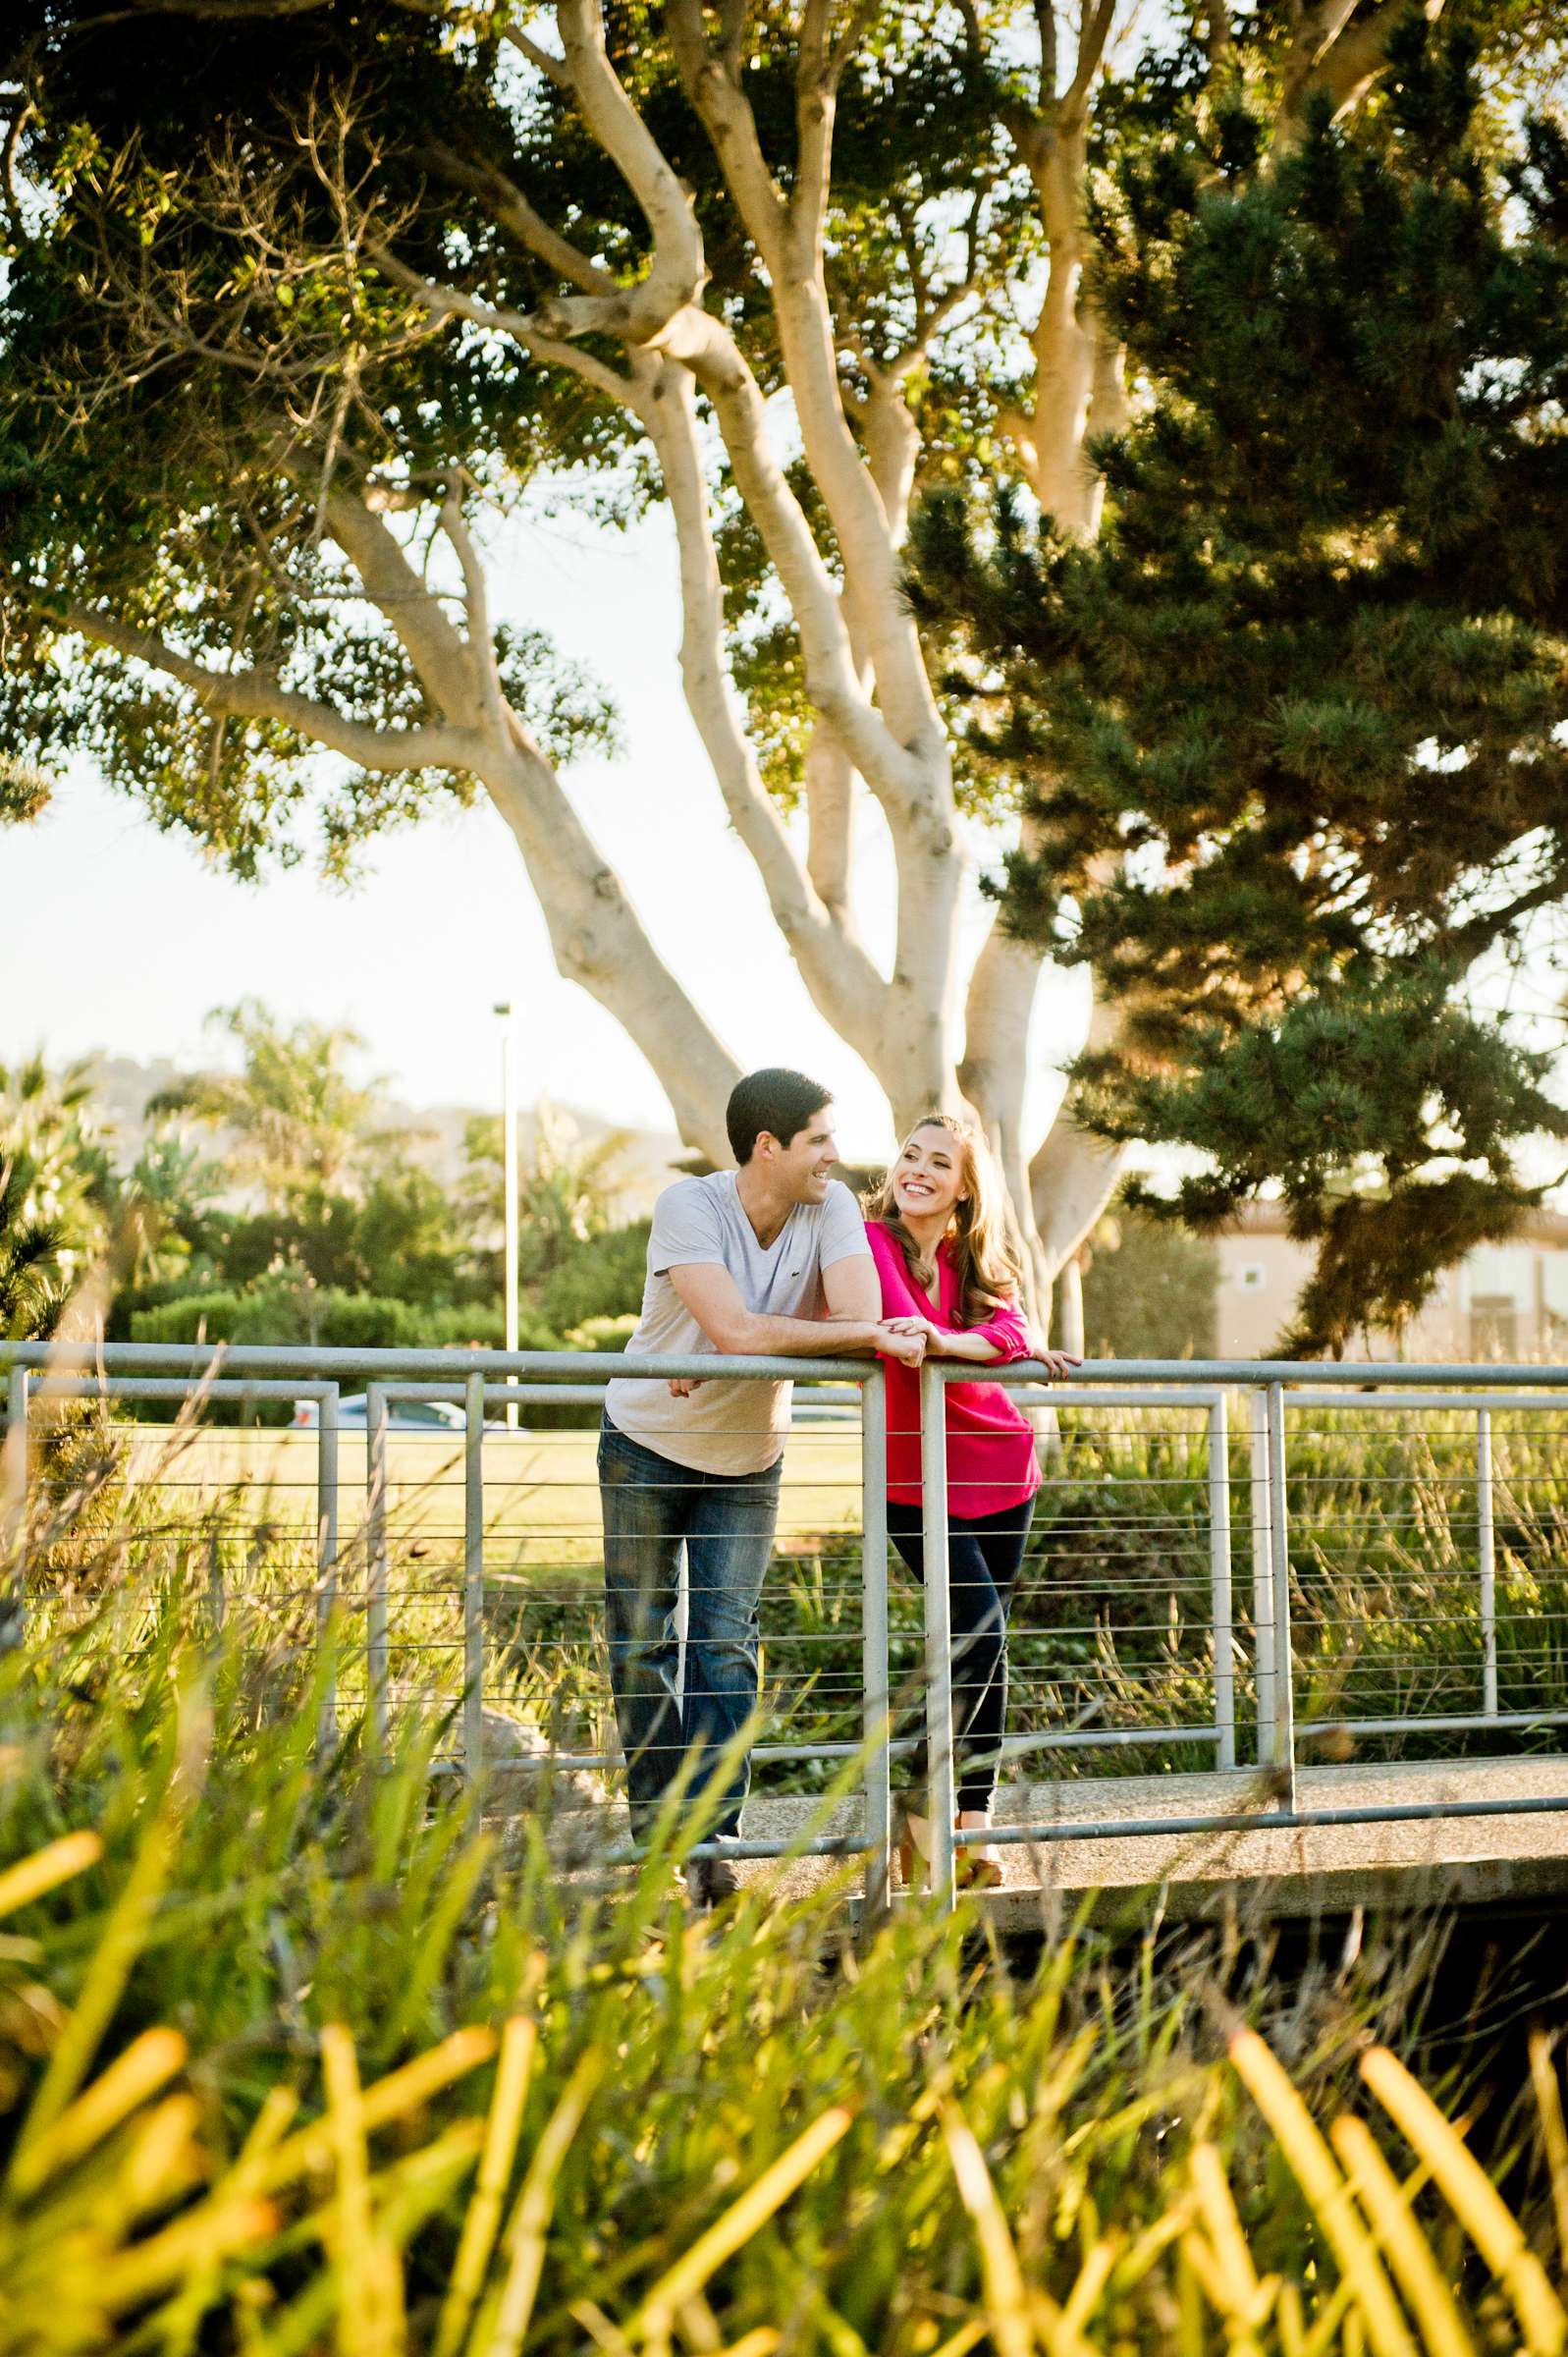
(1508, 1301)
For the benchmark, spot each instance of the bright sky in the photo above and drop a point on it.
(121, 939)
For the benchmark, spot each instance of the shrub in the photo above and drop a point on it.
(602, 1333)
(602, 1277)
(1150, 1290)
(333, 1320)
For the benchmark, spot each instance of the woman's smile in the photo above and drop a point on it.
(922, 1189)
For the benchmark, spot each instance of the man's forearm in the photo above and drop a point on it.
(801, 1337)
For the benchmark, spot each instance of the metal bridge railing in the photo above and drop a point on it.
(472, 1575)
(1272, 1395)
(465, 1565)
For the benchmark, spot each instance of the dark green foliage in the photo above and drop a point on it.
(598, 1277)
(61, 1201)
(1292, 734)
(187, 300)
(397, 1238)
(30, 1291)
(282, 1313)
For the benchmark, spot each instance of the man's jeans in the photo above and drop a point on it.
(651, 1509)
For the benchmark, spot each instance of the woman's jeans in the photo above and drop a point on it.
(654, 1508)
(984, 1555)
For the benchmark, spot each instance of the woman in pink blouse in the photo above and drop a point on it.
(948, 1272)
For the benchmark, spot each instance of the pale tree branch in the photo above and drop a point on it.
(827, 781)
(553, 352)
(1339, 48)
(819, 71)
(732, 20)
(833, 682)
(476, 595)
(857, 22)
(553, 68)
(511, 211)
(816, 102)
(712, 83)
(259, 695)
(1046, 28)
(445, 302)
(1051, 142)
(1093, 32)
(1073, 1174)
(599, 942)
(677, 273)
(1003, 984)
(892, 447)
(841, 979)
(15, 129)
(438, 652)
(921, 1053)
(791, 245)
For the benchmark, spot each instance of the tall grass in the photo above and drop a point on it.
(1111, 1623)
(299, 2053)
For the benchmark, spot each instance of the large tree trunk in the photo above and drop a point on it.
(599, 941)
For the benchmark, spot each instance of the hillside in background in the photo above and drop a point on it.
(121, 1088)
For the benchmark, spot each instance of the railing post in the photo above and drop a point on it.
(942, 1801)
(1220, 1583)
(327, 1556)
(1284, 1714)
(376, 1647)
(1263, 1576)
(13, 1514)
(1486, 1548)
(877, 1727)
(473, 1580)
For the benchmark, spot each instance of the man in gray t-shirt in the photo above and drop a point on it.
(769, 1259)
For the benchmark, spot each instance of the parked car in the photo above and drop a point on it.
(402, 1415)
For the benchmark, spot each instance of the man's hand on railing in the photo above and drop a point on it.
(681, 1387)
(929, 1330)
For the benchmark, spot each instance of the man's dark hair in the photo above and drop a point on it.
(779, 1101)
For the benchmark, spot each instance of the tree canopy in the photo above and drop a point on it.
(1296, 727)
(293, 326)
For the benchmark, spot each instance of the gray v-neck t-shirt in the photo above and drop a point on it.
(738, 1426)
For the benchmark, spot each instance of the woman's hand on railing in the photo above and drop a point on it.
(905, 1339)
(1057, 1363)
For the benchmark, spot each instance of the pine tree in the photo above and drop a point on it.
(1291, 736)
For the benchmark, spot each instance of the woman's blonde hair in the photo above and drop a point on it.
(984, 1261)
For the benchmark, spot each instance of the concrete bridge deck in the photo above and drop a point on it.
(1274, 1873)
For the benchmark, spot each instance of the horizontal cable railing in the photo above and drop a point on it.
(1232, 1563)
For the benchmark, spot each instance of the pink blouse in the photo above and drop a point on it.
(990, 1447)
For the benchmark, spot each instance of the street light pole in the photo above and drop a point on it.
(509, 1165)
